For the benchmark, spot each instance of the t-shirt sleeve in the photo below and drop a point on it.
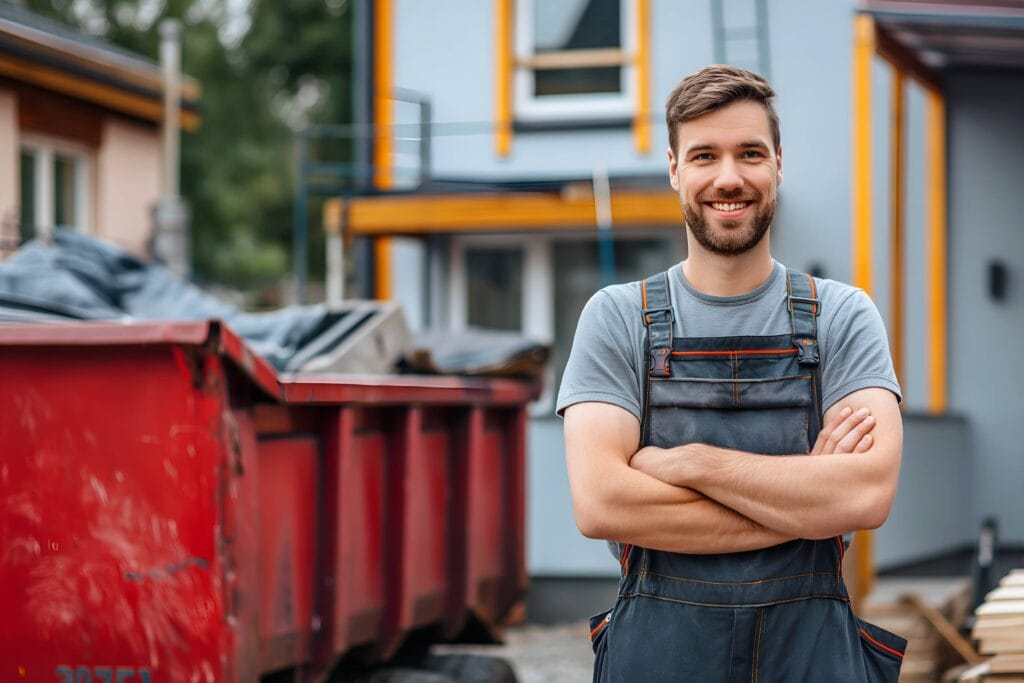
(856, 354)
(602, 361)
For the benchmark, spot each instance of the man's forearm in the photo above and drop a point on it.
(643, 511)
(804, 496)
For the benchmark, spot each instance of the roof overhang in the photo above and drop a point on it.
(81, 69)
(384, 215)
(942, 34)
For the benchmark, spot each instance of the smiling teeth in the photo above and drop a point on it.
(728, 207)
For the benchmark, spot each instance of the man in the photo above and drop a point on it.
(726, 424)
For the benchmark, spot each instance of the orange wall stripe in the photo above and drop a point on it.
(863, 54)
(382, 268)
(383, 86)
(383, 146)
(897, 149)
(502, 77)
(642, 71)
(937, 259)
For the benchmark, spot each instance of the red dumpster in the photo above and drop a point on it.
(172, 510)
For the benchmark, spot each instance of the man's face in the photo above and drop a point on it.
(727, 172)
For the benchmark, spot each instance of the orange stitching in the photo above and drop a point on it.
(624, 560)
(742, 352)
(814, 295)
(597, 629)
(643, 294)
(884, 647)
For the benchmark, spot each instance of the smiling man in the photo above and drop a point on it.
(727, 423)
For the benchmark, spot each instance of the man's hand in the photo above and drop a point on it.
(847, 431)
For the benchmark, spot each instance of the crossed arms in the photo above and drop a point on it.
(698, 498)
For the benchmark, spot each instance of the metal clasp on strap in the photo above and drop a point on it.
(814, 303)
(660, 362)
(654, 316)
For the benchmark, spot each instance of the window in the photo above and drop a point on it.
(55, 186)
(574, 59)
(537, 285)
(494, 288)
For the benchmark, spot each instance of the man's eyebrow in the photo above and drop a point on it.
(700, 148)
(747, 144)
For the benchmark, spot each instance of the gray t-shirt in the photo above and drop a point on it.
(606, 363)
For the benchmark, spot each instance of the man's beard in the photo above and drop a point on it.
(730, 240)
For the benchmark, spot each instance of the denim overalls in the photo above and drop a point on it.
(778, 614)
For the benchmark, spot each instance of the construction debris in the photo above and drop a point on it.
(999, 632)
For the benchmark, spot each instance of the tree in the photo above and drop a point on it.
(265, 70)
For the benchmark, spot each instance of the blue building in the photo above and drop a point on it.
(519, 143)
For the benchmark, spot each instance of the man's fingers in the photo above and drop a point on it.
(835, 436)
(864, 444)
(827, 429)
(850, 441)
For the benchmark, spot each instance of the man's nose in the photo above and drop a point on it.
(728, 177)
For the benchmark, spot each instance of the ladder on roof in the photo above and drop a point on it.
(740, 29)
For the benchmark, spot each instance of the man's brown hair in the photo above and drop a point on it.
(714, 87)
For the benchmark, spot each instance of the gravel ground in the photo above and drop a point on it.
(542, 654)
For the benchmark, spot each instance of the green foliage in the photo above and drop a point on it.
(264, 71)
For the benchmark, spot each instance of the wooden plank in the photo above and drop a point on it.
(946, 630)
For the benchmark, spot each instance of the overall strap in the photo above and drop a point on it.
(804, 308)
(657, 313)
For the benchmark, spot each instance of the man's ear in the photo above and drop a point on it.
(672, 166)
(778, 159)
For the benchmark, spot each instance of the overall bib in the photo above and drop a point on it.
(777, 614)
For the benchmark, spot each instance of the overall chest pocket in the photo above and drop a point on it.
(768, 416)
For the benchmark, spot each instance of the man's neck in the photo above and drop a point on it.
(721, 275)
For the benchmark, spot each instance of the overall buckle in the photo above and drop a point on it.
(660, 362)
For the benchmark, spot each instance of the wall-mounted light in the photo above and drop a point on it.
(998, 280)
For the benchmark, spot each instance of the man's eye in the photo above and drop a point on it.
(752, 154)
(703, 156)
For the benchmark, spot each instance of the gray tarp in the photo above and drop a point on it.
(80, 277)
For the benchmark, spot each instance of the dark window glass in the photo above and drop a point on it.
(64, 173)
(494, 288)
(27, 220)
(577, 25)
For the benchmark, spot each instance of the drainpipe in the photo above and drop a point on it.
(170, 215)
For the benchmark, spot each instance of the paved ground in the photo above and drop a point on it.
(543, 654)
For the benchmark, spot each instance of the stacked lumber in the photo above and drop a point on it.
(920, 610)
(999, 632)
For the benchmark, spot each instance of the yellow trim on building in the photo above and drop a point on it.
(502, 77)
(383, 146)
(897, 152)
(642, 116)
(937, 257)
(863, 55)
(505, 212)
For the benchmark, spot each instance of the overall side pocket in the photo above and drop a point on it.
(883, 652)
(599, 640)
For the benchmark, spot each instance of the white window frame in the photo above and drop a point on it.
(530, 108)
(45, 149)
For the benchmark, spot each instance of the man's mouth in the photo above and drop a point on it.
(728, 206)
(732, 208)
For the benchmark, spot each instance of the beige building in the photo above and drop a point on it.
(80, 142)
